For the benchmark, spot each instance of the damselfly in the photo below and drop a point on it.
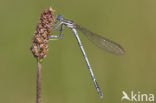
(96, 39)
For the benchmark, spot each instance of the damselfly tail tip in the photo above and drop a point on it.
(100, 93)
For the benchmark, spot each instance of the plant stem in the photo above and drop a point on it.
(38, 82)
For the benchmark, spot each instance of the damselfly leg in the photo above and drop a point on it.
(60, 36)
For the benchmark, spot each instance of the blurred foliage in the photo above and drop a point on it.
(65, 77)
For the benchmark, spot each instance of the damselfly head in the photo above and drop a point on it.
(59, 17)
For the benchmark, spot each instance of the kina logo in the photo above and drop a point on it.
(137, 96)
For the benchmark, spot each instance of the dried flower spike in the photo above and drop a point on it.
(42, 33)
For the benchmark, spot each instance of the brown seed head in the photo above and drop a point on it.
(39, 47)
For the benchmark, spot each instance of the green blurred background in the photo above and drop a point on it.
(65, 76)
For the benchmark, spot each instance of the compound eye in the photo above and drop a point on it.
(59, 17)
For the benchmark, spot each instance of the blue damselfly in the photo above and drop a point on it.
(96, 39)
